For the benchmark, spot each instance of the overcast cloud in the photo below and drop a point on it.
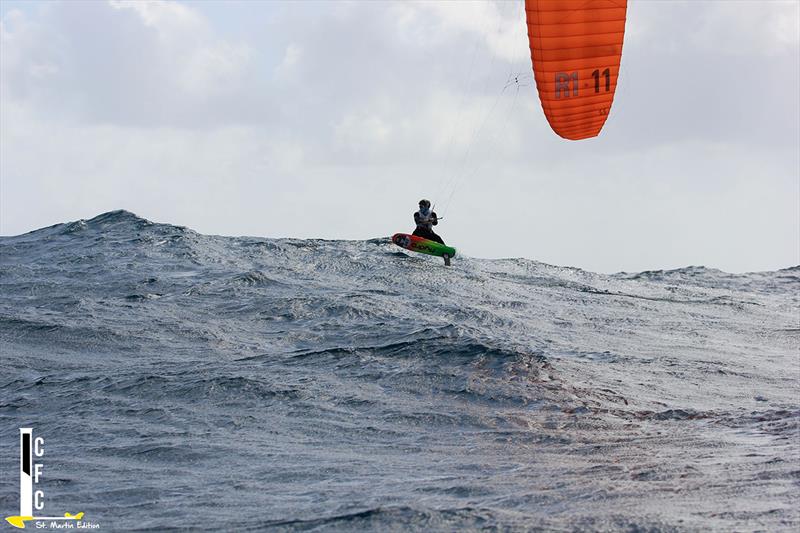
(332, 119)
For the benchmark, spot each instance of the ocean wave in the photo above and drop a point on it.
(328, 385)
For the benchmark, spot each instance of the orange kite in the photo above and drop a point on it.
(576, 46)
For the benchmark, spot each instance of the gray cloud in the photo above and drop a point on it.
(236, 118)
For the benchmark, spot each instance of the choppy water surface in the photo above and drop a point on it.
(186, 381)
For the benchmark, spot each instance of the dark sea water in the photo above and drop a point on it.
(191, 382)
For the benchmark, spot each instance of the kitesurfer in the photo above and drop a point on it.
(425, 219)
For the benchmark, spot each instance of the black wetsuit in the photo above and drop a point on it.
(424, 229)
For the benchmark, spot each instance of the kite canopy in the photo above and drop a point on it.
(576, 46)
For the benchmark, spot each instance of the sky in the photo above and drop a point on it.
(332, 119)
